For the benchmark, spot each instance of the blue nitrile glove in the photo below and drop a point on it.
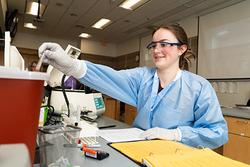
(161, 133)
(54, 55)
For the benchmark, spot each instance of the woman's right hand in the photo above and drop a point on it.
(53, 54)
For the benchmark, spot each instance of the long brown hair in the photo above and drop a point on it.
(181, 36)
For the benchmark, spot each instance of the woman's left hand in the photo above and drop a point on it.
(161, 133)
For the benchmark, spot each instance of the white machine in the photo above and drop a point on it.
(91, 102)
(73, 51)
(77, 98)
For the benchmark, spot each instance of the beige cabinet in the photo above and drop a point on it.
(129, 115)
(238, 146)
(112, 108)
(113, 111)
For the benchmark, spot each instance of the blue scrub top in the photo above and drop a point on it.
(189, 102)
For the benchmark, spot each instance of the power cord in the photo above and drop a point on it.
(64, 94)
(52, 117)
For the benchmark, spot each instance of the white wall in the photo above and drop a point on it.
(145, 57)
(31, 41)
(128, 46)
(98, 48)
(231, 93)
(110, 49)
(190, 25)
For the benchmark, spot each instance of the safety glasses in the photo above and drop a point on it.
(163, 44)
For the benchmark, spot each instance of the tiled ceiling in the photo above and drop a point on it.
(68, 18)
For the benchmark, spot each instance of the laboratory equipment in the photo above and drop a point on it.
(69, 136)
(76, 98)
(73, 51)
(70, 133)
(91, 102)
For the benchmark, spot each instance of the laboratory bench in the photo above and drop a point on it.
(238, 146)
(55, 150)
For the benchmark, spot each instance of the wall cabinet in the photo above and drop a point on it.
(129, 115)
(112, 108)
(238, 146)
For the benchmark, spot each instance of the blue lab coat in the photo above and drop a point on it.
(189, 102)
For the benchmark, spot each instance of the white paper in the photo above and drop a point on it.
(121, 135)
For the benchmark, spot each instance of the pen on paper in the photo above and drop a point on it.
(108, 126)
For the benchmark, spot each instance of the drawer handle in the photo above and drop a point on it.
(242, 122)
(242, 134)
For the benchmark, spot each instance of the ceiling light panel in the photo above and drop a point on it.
(84, 35)
(32, 8)
(132, 4)
(102, 23)
(30, 25)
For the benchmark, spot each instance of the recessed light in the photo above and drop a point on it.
(84, 35)
(30, 25)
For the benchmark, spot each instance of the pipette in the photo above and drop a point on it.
(39, 64)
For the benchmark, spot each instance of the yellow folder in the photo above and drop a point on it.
(197, 158)
(163, 153)
(140, 149)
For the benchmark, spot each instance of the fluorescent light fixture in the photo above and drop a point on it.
(84, 35)
(32, 8)
(101, 23)
(132, 4)
(30, 25)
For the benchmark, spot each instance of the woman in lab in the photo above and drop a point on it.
(172, 104)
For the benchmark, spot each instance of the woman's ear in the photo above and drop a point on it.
(183, 48)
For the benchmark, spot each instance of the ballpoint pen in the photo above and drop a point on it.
(107, 126)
